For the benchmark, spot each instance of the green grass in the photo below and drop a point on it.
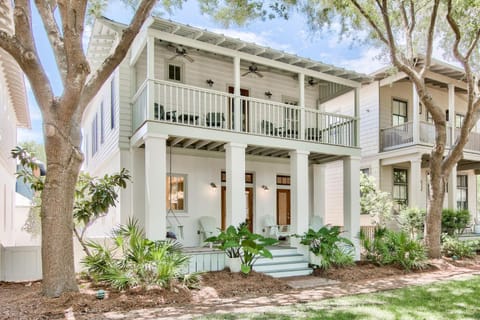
(447, 300)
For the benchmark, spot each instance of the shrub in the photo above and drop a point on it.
(453, 247)
(135, 261)
(327, 243)
(390, 247)
(454, 221)
(412, 221)
(376, 203)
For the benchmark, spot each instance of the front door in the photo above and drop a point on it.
(283, 206)
(248, 207)
(245, 111)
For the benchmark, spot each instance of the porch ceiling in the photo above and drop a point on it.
(252, 150)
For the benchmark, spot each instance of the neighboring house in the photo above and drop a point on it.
(14, 114)
(397, 134)
(214, 126)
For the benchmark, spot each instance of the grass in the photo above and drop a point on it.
(446, 300)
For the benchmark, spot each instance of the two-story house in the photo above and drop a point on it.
(397, 134)
(214, 126)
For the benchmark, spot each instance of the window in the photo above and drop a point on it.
(113, 101)
(175, 72)
(459, 120)
(365, 171)
(248, 177)
(283, 180)
(94, 135)
(176, 192)
(462, 192)
(400, 188)
(102, 128)
(399, 112)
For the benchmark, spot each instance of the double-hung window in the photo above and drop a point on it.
(400, 188)
(175, 72)
(462, 192)
(399, 112)
(176, 192)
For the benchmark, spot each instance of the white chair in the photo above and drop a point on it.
(208, 228)
(316, 223)
(274, 230)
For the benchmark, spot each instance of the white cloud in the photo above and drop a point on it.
(29, 135)
(367, 62)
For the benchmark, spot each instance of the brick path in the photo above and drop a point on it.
(308, 289)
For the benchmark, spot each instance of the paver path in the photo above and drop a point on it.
(303, 293)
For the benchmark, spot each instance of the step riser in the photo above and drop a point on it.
(280, 267)
(282, 259)
(283, 252)
(295, 273)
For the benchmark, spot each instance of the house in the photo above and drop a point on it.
(214, 126)
(397, 134)
(14, 114)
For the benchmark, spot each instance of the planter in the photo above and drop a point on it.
(313, 259)
(234, 264)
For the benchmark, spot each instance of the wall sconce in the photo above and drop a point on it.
(213, 185)
(210, 82)
(264, 187)
(268, 94)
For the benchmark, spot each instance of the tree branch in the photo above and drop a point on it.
(430, 34)
(113, 60)
(370, 21)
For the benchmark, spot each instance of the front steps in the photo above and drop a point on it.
(286, 262)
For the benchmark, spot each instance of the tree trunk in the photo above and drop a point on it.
(62, 144)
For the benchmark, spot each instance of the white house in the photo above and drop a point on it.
(214, 126)
(397, 134)
(14, 114)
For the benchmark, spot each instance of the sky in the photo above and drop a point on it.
(290, 35)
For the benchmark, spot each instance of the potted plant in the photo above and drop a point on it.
(242, 247)
(327, 247)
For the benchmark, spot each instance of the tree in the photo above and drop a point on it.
(407, 30)
(64, 22)
(373, 201)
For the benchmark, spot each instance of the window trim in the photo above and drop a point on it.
(399, 115)
(102, 126)
(405, 184)
(462, 188)
(462, 117)
(185, 192)
(176, 64)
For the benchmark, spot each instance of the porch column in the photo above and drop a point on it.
(301, 94)
(416, 115)
(299, 191)
(319, 190)
(356, 131)
(237, 112)
(155, 186)
(150, 76)
(451, 114)
(415, 182)
(235, 170)
(452, 189)
(351, 201)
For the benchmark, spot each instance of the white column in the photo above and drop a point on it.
(452, 189)
(301, 94)
(416, 115)
(415, 182)
(150, 77)
(357, 117)
(299, 191)
(237, 104)
(235, 171)
(351, 200)
(451, 113)
(319, 190)
(155, 186)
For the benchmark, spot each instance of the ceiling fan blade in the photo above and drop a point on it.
(259, 74)
(173, 57)
(190, 59)
(243, 75)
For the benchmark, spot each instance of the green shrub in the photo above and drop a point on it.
(135, 261)
(454, 221)
(390, 247)
(412, 221)
(453, 247)
(327, 243)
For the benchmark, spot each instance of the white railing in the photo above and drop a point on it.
(396, 136)
(188, 105)
(473, 143)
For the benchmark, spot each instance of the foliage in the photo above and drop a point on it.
(412, 221)
(35, 148)
(373, 201)
(239, 242)
(454, 221)
(458, 249)
(134, 260)
(390, 247)
(327, 243)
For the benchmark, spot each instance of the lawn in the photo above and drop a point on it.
(446, 300)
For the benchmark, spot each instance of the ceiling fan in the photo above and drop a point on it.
(180, 52)
(312, 82)
(253, 69)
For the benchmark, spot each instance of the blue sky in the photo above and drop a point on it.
(291, 35)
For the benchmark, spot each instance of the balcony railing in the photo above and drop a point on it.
(187, 105)
(396, 136)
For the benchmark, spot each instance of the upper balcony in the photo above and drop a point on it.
(186, 105)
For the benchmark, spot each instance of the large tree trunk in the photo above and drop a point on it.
(63, 166)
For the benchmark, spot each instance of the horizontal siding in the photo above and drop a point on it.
(334, 193)
(369, 119)
(125, 110)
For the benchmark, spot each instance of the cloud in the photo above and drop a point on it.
(368, 61)
(29, 135)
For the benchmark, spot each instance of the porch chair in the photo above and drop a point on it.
(268, 128)
(160, 114)
(316, 223)
(208, 228)
(215, 119)
(274, 230)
